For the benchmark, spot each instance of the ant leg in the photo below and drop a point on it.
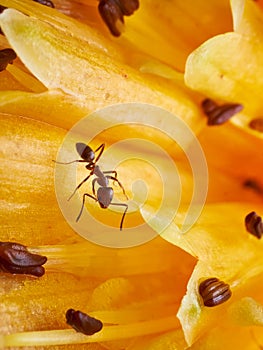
(124, 213)
(93, 185)
(82, 182)
(101, 148)
(73, 161)
(115, 179)
(111, 172)
(83, 202)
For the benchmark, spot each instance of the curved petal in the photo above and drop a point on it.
(217, 67)
(225, 251)
(62, 61)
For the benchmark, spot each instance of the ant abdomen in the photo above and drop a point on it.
(105, 196)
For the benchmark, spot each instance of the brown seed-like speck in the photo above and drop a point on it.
(218, 115)
(82, 322)
(6, 57)
(214, 292)
(128, 6)
(254, 224)
(2, 8)
(208, 105)
(256, 124)
(15, 258)
(113, 11)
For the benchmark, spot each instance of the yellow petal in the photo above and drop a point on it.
(226, 148)
(225, 76)
(225, 251)
(246, 312)
(81, 69)
(247, 18)
(218, 240)
(173, 30)
(170, 341)
(60, 21)
(28, 197)
(229, 338)
(50, 107)
(237, 7)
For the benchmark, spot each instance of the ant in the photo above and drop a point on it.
(104, 193)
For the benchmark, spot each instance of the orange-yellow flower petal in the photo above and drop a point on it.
(28, 197)
(77, 66)
(219, 240)
(225, 250)
(233, 64)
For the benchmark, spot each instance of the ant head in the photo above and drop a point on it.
(85, 152)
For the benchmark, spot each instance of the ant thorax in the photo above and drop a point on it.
(101, 179)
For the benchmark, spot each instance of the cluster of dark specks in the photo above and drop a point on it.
(214, 292)
(113, 11)
(45, 3)
(16, 259)
(218, 115)
(254, 224)
(7, 56)
(82, 322)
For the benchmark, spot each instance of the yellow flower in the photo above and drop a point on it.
(172, 55)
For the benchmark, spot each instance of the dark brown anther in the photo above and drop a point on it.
(37, 271)
(6, 57)
(15, 258)
(45, 3)
(256, 124)
(112, 12)
(214, 292)
(82, 322)
(254, 224)
(111, 15)
(208, 105)
(218, 115)
(2, 8)
(128, 6)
